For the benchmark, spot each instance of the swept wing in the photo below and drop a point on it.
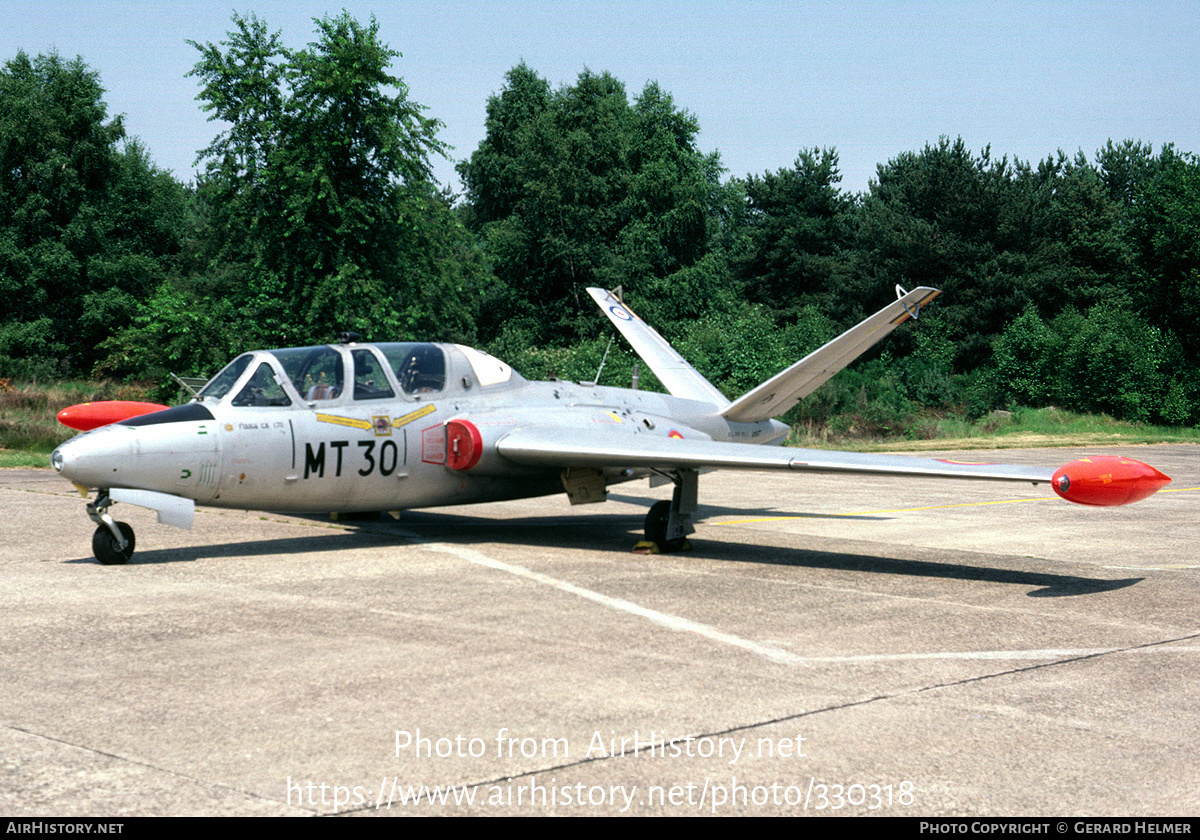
(564, 447)
(1102, 480)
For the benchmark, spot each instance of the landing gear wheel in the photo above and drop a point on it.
(104, 545)
(657, 520)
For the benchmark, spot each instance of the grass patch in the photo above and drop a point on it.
(1018, 429)
(29, 430)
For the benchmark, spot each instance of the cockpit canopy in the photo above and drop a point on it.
(334, 374)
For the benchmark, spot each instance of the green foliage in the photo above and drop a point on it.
(868, 401)
(174, 331)
(1029, 359)
(674, 304)
(1165, 229)
(739, 348)
(995, 237)
(579, 187)
(317, 203)
(606, 355)
(796, 232)
(28, 349)
(1110, 366)
(1110, 361)
(87, 226)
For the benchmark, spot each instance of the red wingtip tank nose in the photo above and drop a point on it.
(1107, 480)
(91, 415)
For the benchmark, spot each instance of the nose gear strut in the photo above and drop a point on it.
(113, 541)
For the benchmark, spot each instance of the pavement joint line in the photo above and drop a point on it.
(837, 707)
(1080, 658)
(137, 762)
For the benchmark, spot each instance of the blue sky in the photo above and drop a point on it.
(765, 79)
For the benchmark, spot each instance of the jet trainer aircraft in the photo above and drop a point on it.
(383, 427)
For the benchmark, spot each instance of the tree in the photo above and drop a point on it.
(87, 224)
(1029, 361)
(316, 212)
(798, 230)
(579, 187)
(242, 87)
(1165, 230)
(933, 218)
(352, 151)
(995, 237)
(320, 194)
(492, 176)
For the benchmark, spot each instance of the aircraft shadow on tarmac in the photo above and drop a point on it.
(616, 533)
(707, 511)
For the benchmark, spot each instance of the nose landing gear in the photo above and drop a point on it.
(113, 541)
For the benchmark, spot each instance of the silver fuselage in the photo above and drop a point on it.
(369, 437)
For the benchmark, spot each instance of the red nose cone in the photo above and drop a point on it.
(92, 415)
(1107, 480)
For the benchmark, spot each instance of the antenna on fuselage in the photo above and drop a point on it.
(617, 292)
(603, 359)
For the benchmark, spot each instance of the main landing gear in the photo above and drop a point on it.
(669, 523)
(113, 541)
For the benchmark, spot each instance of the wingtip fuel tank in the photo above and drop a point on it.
(92, 415)
(1106, 480)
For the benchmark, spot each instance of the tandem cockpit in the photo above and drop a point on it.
(342, 374)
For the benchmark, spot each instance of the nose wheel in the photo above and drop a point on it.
(113, 541)
(108, 550)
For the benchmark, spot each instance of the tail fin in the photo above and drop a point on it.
(679, 378)
(785, 389)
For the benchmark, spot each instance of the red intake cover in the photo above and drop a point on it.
(464, 445)
(1107, 480)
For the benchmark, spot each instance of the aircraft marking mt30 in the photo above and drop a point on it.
(370, 427)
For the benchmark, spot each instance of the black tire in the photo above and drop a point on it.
(104, 545)
(657, 519)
